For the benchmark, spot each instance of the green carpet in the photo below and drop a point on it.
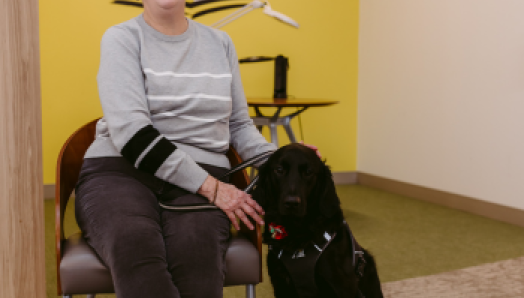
(409, 238)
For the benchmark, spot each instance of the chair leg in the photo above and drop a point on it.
(250, 291)
(67, 296)
(91, 296)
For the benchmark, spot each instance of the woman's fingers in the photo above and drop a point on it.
(233, 220)
(240, 214)
(256, 206)
(312, 147)
(308, 145)
(236, 203)
(251, 212)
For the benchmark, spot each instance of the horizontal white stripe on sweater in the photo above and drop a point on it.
(187, 96)
(207, 142)
(186, 117)
(192, 118)
(187, 75)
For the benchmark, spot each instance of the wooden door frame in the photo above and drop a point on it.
(22, 251)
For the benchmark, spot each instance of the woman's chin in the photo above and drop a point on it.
(164, 4)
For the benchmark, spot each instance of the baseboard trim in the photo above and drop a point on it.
(345, 177)
(49, 191)
(490, 210)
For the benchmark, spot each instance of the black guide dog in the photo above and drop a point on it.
(312, 252)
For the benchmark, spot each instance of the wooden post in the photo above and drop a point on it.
(22, 261)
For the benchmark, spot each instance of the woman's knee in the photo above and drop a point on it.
(135, 238)
(137, 259)
(197, 241)
(203, 231)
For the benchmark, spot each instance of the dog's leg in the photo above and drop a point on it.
(335, 268)
(282, 284)
(370, 282)
(332, 279)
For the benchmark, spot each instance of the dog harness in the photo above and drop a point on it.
(301, 264)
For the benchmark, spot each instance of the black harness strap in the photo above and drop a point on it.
(250, 162)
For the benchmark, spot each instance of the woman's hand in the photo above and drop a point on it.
(234, 202)
(312, 147)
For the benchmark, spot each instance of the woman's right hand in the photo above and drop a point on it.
(234, 202)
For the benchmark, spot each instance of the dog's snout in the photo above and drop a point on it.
(292, 202)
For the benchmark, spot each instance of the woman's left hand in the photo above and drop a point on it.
(312, 147)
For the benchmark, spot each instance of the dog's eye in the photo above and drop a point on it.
(309, 172)
(279, 170)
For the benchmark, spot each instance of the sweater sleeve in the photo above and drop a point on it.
(245, 137)
(122, 94)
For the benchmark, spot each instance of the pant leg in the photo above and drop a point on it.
(196, 243)
(120, 218)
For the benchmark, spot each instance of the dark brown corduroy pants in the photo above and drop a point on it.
(150, 252)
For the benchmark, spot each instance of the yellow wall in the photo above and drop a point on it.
(322, 53)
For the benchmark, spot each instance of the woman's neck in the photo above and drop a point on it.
(170, 21)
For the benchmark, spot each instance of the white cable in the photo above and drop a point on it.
(279, 16)
(235, 15)
(252, 6)
(238, 13)
(257, 4)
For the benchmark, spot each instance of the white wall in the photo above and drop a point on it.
(441, 95)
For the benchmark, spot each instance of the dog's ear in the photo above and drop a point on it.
(326, 192)
(263, 187)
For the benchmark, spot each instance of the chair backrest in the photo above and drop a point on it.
(68, 168)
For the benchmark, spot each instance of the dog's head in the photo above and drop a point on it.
(295, 182)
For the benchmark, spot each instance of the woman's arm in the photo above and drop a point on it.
(245, 137)
(122, 94)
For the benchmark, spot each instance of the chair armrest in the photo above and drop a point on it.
(241, 180)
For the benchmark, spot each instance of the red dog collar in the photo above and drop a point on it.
(277, 232)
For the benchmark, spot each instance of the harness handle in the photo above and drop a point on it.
(235, 169)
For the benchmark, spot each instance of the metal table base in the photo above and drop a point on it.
(272, 122)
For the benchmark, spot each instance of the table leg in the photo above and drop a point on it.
(274, 137)
(289, 131)
(275, 120)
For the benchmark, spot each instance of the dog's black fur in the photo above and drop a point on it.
(297, 191)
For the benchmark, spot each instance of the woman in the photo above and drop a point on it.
(173, 102)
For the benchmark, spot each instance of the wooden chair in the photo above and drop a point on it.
(79, 269)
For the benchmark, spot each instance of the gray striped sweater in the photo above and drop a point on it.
(172, 101)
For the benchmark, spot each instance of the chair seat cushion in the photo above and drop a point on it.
(82, 271)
